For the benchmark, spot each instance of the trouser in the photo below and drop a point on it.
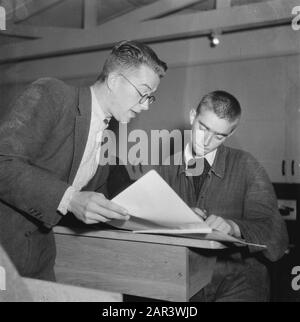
(41, 253)
(235, 281)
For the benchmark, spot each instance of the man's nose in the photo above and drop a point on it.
(207, 138)
(145, 106)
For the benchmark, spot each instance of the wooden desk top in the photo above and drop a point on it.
(146, 238)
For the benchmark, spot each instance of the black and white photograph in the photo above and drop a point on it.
(149, 154)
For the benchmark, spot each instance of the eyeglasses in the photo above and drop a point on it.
(145, 97)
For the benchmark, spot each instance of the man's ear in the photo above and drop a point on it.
(193, 114)
(112, 79)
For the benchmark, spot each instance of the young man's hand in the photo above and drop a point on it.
(226, 226)
(201, 213)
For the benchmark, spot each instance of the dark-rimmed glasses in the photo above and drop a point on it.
(145, 97)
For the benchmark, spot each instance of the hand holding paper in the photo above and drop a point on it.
(151, 201)
(155, 208)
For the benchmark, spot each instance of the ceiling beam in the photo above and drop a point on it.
(223, 4)
(21, 10)
(173, 27)
(36, 32)
(15, 8)
(234, 47)
(157, 9)
(90, 13)
(150, 11)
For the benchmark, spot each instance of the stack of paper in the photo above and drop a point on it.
(155, 208)
(153, 204)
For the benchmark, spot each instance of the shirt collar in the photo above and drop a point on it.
(188, 155)
(97, 111)
(216, 159)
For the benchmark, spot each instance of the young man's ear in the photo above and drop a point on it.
(193, 114)
(234, 129)
(229, 135)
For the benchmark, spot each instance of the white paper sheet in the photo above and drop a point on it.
(193, 233)
(151, 201)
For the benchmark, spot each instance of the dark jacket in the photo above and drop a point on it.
(237, 188)
(42, 141)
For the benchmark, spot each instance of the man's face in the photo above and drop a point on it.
(209, 131)
(128, 88)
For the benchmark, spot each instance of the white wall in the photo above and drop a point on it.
(251, 65)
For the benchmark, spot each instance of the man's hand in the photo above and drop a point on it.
(220, 224)
(93, 207)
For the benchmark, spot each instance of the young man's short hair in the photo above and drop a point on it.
(223, 104)
(128, 54)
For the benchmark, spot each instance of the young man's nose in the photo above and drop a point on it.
(207, 138)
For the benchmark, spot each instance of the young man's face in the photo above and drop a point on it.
(209, 131)
(128, 88)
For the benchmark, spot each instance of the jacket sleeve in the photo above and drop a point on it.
(261, 222)
(23, 133)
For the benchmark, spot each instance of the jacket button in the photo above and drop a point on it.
(28, 233)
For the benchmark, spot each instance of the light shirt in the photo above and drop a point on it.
(91, 156)
(188, 155)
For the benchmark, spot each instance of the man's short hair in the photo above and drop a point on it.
(223, 104)
(132, 54)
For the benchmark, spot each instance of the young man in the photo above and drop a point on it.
(49, 153)
(232, 194)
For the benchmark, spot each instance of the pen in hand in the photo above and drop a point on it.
(201, 213)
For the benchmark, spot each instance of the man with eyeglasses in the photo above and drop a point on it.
(143, 97)
(49, 153)
(231, 191)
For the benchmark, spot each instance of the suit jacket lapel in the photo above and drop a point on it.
(82, 127)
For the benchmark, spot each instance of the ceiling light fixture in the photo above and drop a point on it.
(214, 39)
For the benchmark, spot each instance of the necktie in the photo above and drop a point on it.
(199, 180)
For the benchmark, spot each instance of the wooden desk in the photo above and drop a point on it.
(152, 266)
